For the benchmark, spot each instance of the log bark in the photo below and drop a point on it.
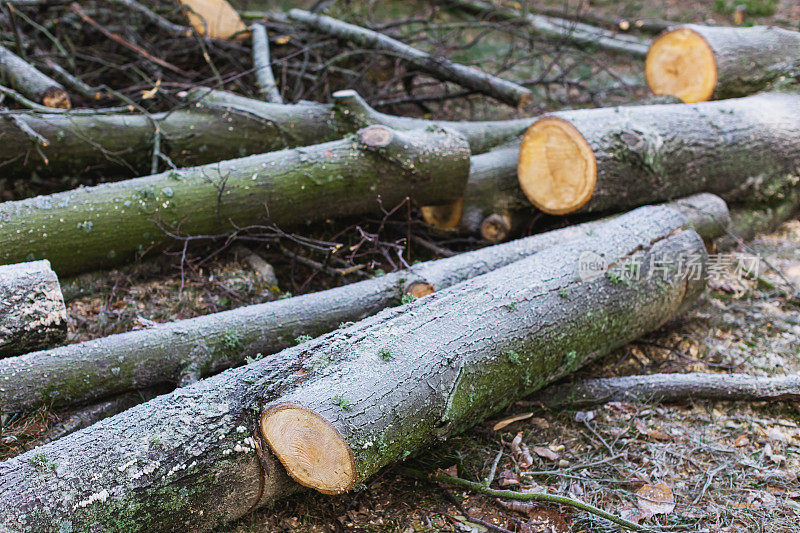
(493, 204)
(439, 67)
(33, 315)
(189, 460)
(611, 159)
(214, 127)
(578, 33)
(657, 388)
(267, 88)
(182, 351)
(92, 227)
(698, 63)
(25, 78)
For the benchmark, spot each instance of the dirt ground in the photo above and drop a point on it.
(728, 466)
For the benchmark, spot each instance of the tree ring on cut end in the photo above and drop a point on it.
(447, 216)
(376, 136)
(681, 63)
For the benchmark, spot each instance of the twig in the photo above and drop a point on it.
(154, 18)
(267, 88)
(480, 488)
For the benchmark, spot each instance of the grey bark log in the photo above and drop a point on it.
(557, 28)
(265, 79)
(198, 347)
(187, 461)
(669, 388)
(746, 150)
(108, 224)
(33, 315)
(215, 127)
(25, 78)
(439, 67)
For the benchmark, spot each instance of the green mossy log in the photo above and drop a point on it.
(193, 459)
(746, 150)
(33, 315)
(92, 227)
(180, 352)
(214, 126)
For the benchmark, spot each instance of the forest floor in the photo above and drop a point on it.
(729, 466)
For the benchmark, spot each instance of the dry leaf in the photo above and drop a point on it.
(507, 478)
(510, 420)
(540, 423)
(741, 440)
(215, 19)
(547, 453)
(655, 499)
(283, 39)
(521, 452)
(546, 520)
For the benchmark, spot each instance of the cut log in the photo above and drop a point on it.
(88, 228)
(33, 315)
(185, 350)
(190, 460)
(617, 158)
(439, 67)
(578, 33)
(698, 63)
(217, 126)
(25, 78)
(668, 388)
(493, 202)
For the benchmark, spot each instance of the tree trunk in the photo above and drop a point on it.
(616, 158)
(26, 79)
(560, 29)
(92, 227)
(493, 202)
(438, 67)
(189, 460)
(182, 351)
(669, 388)
(32, 311)
(214, 127)
(698, 63)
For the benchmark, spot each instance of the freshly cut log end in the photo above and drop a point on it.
(376, 136)
(312, 450)
(56, 97)
(557, 170)
(444, 217)
(418, 289)
(681, 63)
(496, 228)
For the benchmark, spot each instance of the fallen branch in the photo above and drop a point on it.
(107, 224)
(186, 350)
(194, 459)
(656, 388)
(32, 83)
(698, 63)
(439, 67)
(569, 31)
(32, 311)
(744, 150)
(267, 88)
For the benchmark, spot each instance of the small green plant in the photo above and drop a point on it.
(614, 277)
(513, 357)
(254, 358)
(231, 340)
(526, 378)
(343, 404)
(563, 292)
(511, 307)
(302, 338)
(407, 299)
(40, 462)
(570, 357)
(345, 324)
(385, 354)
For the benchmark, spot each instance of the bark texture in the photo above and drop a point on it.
(182, 351)
(215, 126)
(91, 227)
(267, 88)
(558, 28)
(745, 150)
(32, 311)
(25, 78)
(670, 388)
(439, 67)
(188, 460)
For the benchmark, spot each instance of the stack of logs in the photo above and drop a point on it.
(486, 328)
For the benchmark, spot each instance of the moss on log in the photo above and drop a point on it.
(32, 311)
(194, 459)
(744, 149)
(92, 227)
(698, 63)
(182, 351)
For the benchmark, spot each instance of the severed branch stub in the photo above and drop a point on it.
(31, 82)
